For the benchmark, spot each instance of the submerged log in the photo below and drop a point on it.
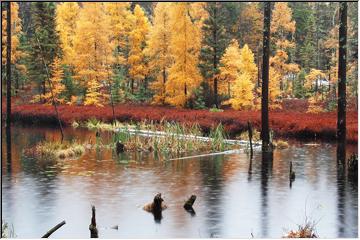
(51, 231)
(92, 226)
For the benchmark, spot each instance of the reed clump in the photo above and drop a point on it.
(167, 138)
(55, 150)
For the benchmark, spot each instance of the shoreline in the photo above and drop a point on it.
(284, 123)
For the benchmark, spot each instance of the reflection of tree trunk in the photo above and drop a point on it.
(341, 192)
(8, 148)
(266, 169)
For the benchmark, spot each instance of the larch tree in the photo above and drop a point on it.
(251, 26)
(158, 50)
(229, 68)
(243, 97)
(56, 83)
(137, 59)
(17, 54)
(214, 42)
(312, 85)
(67, 15)
(120, 20)
(282, 31)
(93, 51)
(184, 76)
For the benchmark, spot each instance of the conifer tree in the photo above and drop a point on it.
(214, 42)
(184, 75)
(44, 42)
(138, 37)
(158, 50)
(56, 83)
(229, 68)
(93, 50)
(67, 15)
(243, 89)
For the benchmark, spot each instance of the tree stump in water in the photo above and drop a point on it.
(156, 207)
(189, 203)
(92, 226)
(120, 147)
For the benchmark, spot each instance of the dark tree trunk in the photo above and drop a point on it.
(215, 60)
(265, 79)
(8, 65)
(341, 123)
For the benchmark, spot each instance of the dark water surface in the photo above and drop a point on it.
(231, 202)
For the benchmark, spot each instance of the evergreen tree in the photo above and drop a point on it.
(214, 42)
(44, 42)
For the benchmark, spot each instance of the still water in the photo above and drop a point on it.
(231, 202)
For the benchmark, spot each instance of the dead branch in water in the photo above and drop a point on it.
(51, 231)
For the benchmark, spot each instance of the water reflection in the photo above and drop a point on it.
(236, 196)
(266, 170)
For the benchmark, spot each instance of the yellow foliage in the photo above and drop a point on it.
(57, 87)
(274, 89)
(251, 25)
(281, 19)
(138, 36)
(120, 20)
(184, 75)
(93, 49)
(312, 77)
(229, 68)
(158, 49)
(243, 95)
(15, 31)
(315, 104)
(67, 15)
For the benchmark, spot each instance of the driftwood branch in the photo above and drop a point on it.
(51, 231)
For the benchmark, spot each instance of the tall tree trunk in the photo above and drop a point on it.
(8, 87)
(341, 122)
(215, 60)
(8, 65)
(265, 80)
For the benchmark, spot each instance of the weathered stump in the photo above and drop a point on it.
(250, 133)
(120, 147)
(189, 204)
(156, 207)
(92, 226)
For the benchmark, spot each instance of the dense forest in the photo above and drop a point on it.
(194, 55)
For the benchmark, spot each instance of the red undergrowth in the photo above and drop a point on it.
(291, 124)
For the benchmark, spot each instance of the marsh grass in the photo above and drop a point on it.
(55, 150)
(6, 230)
(307, 230)
(169, 139)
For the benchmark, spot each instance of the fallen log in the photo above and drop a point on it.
(51, 231)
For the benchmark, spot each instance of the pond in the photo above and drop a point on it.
(233, 201)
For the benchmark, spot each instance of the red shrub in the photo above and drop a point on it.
(284, 123)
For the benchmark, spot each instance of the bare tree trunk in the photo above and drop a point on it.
(265, 80)
(8, 65)
(341, 122)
